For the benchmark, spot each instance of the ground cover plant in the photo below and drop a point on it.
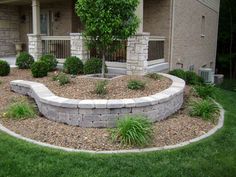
(101, 87)
(62, 78)
(4, 68)
(136, 85)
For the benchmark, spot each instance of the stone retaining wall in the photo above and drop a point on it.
(102, 113)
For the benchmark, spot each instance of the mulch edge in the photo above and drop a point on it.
(210, 133)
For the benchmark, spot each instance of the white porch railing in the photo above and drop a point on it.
(59, 46)
(156, 50)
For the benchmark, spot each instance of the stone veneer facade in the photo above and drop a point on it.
(137, 54)
(102, 113)
(35, 46)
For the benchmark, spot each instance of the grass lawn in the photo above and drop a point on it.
(215, 156)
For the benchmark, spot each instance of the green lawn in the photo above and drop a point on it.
(215, 156)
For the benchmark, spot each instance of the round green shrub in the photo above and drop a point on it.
(73, 65)
(178, 73)
(24, 60)
(4, 68)
(50, 60)
(39, 69)
(93, 66)
(193, 79)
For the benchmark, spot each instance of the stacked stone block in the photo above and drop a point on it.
(137, 54)
(35, 46)
(102, 113)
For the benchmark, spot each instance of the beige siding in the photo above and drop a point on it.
(9, 29)
(213, 4)
(157, 18)
(189, 47)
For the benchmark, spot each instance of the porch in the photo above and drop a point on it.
(144, 52)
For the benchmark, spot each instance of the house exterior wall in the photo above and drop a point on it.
(9, 29)
(157, 18)
(189, 46)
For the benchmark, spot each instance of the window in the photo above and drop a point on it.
(203, 25)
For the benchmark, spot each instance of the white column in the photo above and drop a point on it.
(139, 13)
(36, 17)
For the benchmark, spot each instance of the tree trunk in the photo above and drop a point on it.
(103, 65)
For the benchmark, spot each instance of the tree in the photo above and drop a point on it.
(107, 21)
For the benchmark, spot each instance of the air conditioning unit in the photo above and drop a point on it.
(207, 74)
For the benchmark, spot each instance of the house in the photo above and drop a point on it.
(172, 34)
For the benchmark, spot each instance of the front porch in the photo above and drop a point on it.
(57, 31)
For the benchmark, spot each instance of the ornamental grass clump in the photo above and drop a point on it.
(136, 85)
(101, 88)
(20, 110)
(204, 109)
(205, 91)
(133, 131)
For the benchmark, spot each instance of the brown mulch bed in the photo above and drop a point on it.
(83, 88)
(178, 128)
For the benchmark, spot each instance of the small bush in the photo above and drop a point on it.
(135, 131)
(101, 87)
(4, 68)
(50, 60)
(62, 78)
(178, 73)
(205, 109)
(20, 110)
(24, 60)
(154, 76)
(193, 79)
(205, 91)
(73, 65)
(93, 66)
(39, 69)
(136, 85)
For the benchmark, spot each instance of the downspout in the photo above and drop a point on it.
(172, 34)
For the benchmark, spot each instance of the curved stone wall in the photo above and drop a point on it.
(102, 113)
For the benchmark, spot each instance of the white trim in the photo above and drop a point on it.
(157, 61)
(116, 64)
(157, 38)
(55, 38)
(210, 133)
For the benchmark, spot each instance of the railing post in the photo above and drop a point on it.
(78, 47)
(35, 46)
(137, 54)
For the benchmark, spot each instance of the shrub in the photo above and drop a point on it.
(154, 76)
(24, 60)
(62, 78)
(39, 69)
(193, 79)
(4, 68)
(73, 65)
(93, 66)
(20, 110)
(205, 91)
(205, 109)
(131, 130)
(101, 88)
(50, 60)
(178, 73)
(136, 85)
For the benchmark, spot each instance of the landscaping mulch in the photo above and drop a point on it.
(83, 88)
(178, 128)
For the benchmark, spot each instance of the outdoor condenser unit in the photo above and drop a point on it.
(207, 74)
